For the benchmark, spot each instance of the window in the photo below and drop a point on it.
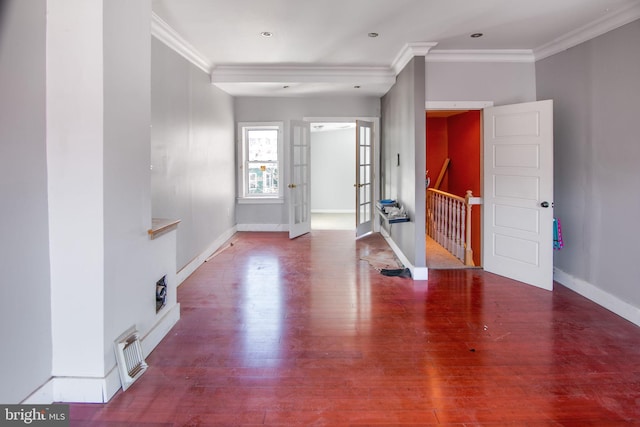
(260, 155)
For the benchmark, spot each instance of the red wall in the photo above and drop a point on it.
(464, 152)
(437, 149)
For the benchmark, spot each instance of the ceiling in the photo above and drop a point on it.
(324, 47)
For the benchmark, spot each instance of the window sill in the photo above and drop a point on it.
(260, 200)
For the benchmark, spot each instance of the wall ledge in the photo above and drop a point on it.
(160, 226)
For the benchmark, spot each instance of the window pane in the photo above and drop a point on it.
(263, 178)
(262, 145)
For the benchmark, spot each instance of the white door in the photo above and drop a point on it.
(364, 177)
(299, 176)
(518, 192)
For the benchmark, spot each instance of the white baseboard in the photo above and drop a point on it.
(599, 296)
(334, 211)
(193, 265)
(99, 390)
(42, 396)
(160, 329)
(263, 227)
(76, 389)
(417, 273)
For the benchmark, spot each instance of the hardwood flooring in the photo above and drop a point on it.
(278, 332)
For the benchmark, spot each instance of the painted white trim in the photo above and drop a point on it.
(417, 273)
(608, 22)
(263, 227)
(42, 396)
(599, 296)
(333, 211)
(376, 148)
(457, 105)
(76, 389)
(241, 159)
(160, 329)
(188, 269)
(167, 35)
(481, 55)
(407, 53)
(302, 74)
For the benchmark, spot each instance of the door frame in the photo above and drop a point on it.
(376, 150)
(467, 105)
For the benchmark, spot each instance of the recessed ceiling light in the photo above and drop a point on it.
(373, 35)
(476, 35)
(266, 34)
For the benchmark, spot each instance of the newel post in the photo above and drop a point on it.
(468, 253)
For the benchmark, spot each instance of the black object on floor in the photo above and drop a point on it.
(396, 272)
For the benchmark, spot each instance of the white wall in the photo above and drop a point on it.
(500, 82)
(192, 152)
(75, 133)
(25, 306)
(333, 170)
(265, 109)
(103, 265)
(132, 262)
(596, 91)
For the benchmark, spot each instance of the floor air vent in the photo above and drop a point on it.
(131, 364)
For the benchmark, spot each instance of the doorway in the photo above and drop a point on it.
(454, 165)
(332, 161)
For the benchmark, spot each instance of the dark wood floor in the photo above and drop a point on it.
(303, 332)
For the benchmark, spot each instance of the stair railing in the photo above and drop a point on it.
(449, 222)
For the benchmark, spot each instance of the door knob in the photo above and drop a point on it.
(292, 186)
(544, 204)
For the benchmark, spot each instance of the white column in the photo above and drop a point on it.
(75, 183)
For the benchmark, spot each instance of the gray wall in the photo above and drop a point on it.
(596, 88)
(403, 134)
(25, 307)
(333, 170)
(192, 152)
(264, 109)
(500, 82)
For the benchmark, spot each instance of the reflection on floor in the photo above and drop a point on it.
(303, 332)
(333, 221)
(438, 258)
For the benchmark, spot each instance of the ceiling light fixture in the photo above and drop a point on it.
(476, 35)
(266, 34)
(373, 35)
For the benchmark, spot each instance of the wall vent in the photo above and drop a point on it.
(161, 293)
(131, 363)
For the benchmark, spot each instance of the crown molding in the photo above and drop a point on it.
(302, 74)
(167, 35)
(408, 52)
(590, 31)
(481, 55)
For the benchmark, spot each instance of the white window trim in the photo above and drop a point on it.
(242, 198)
